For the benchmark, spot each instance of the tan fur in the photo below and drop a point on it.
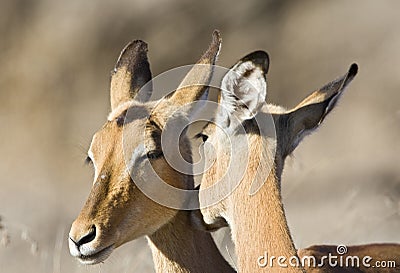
(258, 221)
(116, 211)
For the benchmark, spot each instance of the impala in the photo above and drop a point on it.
(246, 179)
(116, 210)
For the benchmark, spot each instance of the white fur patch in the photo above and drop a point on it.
(243, 95)
(121, 108)
(274, 109)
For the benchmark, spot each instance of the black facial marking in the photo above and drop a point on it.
(121, 119)
(248, 73)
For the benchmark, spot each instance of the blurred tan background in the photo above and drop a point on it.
(341, 186)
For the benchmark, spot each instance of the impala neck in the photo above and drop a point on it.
(178, 247)
(262, 230)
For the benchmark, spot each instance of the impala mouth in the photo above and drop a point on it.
(97, 257)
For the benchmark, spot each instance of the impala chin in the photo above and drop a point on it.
(97, 257)
(89, 255)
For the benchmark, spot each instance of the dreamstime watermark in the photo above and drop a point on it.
(333, 260)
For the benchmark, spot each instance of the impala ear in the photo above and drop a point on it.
(197, 79)
(311, 112)
(192, 87)
(244, 87)
(131, 75)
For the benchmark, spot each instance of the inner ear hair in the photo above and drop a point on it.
(244, 87)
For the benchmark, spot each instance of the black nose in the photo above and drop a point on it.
(87, 238)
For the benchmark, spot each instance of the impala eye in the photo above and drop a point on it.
(154, 154)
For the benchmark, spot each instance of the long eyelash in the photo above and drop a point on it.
(155, 154)
(88, 161)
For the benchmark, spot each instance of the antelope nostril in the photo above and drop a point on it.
(88, 237)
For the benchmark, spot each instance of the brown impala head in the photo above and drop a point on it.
(242, 101)
(116, 210)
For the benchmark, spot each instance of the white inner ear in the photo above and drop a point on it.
(243, 91)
